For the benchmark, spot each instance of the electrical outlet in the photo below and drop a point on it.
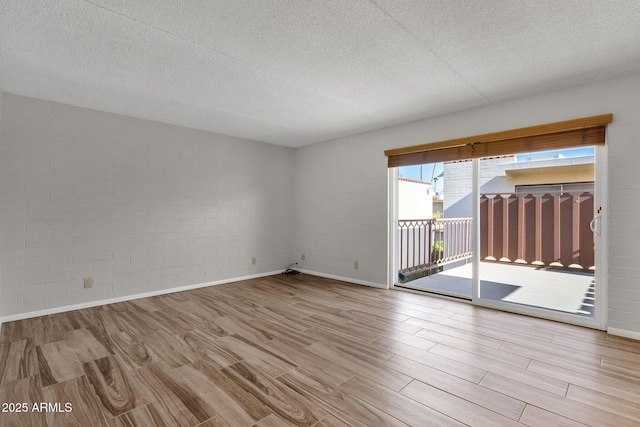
(356, 265)
(303, 256)
(88, 282)
(253, 261)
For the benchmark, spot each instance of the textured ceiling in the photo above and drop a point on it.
(294, 72)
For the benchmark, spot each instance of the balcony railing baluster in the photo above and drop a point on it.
(428, 244)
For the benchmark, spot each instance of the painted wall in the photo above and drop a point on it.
(1, 139)
(136, 205)
(141, 206)
(340, 209)
(415, 199)
(341, 186)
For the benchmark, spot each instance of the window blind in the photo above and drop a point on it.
(588, 131)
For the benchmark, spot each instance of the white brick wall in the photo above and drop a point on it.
(341, 186)
(457, 189)
(458, 185)
(139, 206)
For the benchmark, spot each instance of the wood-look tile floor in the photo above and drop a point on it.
(307, 351)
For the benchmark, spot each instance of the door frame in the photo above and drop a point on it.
(599, 321)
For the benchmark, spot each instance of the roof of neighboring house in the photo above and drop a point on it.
(556, 164)
(417, 181)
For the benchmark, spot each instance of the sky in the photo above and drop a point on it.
(428, 173)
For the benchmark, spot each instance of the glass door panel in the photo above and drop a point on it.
(536, 245)
(434, 229)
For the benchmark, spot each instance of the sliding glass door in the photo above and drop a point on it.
(435, 248)
(536, 247)
(517, 232)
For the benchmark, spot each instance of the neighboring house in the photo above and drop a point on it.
(416, 199)
(438, 206)
(509, 174)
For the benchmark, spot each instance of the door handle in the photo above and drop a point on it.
(594, 225)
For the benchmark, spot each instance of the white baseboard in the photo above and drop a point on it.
(343, 279)
(89, 304)
(624, 333)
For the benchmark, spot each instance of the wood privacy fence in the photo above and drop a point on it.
(550, 229)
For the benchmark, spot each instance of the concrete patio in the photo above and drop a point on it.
(553, 289)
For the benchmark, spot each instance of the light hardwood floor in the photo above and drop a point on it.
(303, 350)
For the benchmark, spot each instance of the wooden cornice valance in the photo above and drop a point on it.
(588, 131)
